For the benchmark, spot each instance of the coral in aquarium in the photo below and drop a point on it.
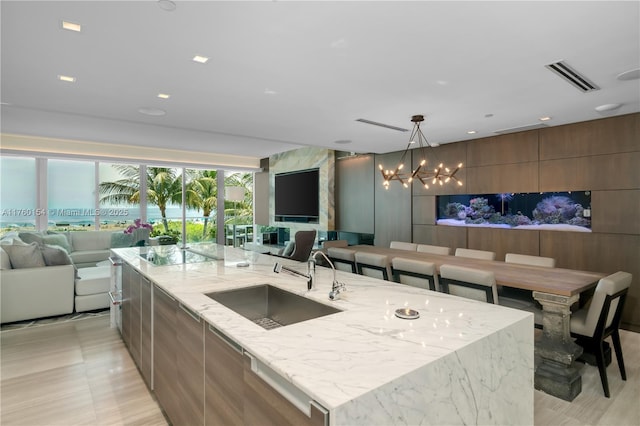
(480, 209)
(455, 211)
(557, 209)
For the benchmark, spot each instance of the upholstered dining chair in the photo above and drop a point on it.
(342, 258)
(475, 254)
(599, 319)
(373, 265)
(416, 273)
(525, 259)
(400, 245)
(426, 248)
(468, 282)
(301, 247)
(523, 299)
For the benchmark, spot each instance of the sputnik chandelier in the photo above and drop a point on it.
(439, 175)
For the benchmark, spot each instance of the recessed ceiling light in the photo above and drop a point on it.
(71, 26)
(167, 5)
(629, 75)
(546, 118)
(471, 132)
(66, 78)
(270, 92)
(200, 59)
(163, 96)
(343, 141)
(156, 112)
(607, 107)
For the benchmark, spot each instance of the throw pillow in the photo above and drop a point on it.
(67, 235)
(31, 237)
(5, 263)
(56, 255)
(57, 240)
(25, 256)
(120, 239)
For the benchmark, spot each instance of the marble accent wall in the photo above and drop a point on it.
(303, 159)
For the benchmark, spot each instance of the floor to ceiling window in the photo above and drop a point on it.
(238, 208)
(119, 193)
(18, 203)
(71, 197)
(86, 194)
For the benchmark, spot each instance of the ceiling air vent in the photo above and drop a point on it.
(572, 76)
(387, 126)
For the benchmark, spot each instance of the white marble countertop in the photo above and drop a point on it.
(336, 358)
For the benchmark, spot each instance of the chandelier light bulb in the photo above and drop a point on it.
(440, 174)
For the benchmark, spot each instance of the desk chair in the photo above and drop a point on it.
(592, 324)
(416, 273)
(373, 265)
(468, 282)
(399, 245)
(426, 248)
(475, 254)
(343, 259)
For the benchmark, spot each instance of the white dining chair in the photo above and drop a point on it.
(426, 248)
(373, 265)
(525, 259)
(416, 273)
(475, 254)
(400, 245)
(343, 259)
(599, 319)
(469, 282)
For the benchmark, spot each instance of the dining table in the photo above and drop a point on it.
(556, 289)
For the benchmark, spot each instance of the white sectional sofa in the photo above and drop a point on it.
(40, 279)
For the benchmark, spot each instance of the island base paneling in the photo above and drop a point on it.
(224, 399)
(190, 366)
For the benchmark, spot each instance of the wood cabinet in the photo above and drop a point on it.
(190, 367)
(136, 320)
(135, 341)
(165, 374)
(224, 402)
(266, 406)
(127, 271)
(146, 339)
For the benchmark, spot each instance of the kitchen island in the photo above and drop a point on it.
(460, 362)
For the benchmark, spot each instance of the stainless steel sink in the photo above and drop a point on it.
(271, 307)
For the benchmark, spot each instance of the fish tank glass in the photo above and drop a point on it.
(558, 211)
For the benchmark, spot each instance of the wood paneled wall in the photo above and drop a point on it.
(601, 156)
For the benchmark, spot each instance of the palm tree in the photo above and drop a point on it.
(203, 194)
(164, 186)
(243, 209)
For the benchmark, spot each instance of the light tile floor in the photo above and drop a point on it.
(79, 373)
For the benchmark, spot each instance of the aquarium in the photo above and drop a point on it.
(558, 211)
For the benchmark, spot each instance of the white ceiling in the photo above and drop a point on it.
(282, 75)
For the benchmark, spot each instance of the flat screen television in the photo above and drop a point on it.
(297, 196)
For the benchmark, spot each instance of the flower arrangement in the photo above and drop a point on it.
(137, 224)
